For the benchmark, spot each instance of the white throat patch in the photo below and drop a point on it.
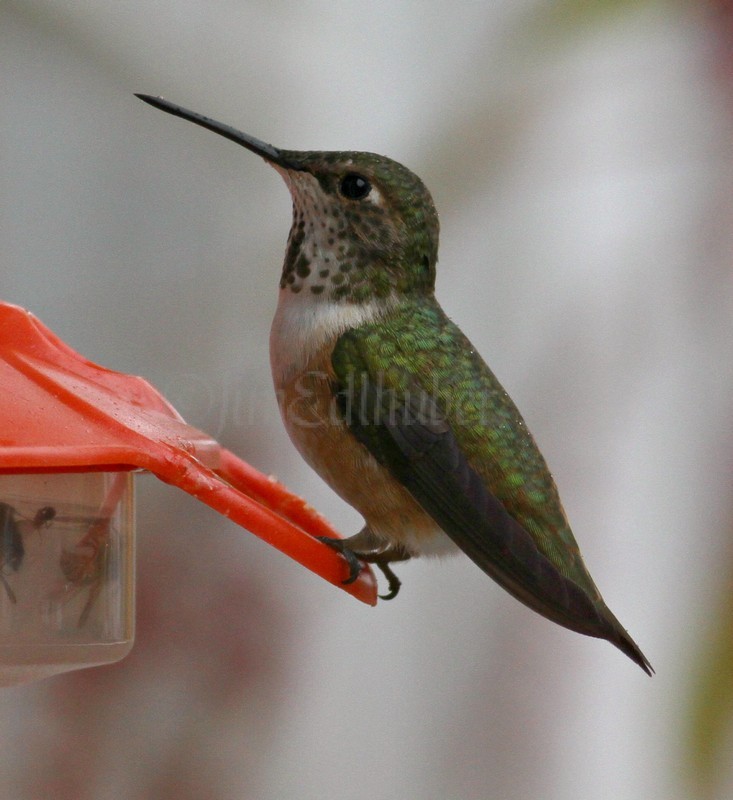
(304, 323)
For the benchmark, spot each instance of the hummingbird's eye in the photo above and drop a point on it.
(354, 186)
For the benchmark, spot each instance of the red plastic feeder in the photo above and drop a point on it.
(71, 435)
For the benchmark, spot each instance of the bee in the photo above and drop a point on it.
(12, 549)
(86, 564)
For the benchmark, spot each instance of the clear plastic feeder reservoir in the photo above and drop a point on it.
(67, 572)
(71, 435)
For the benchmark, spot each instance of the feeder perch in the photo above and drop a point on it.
(72, 434)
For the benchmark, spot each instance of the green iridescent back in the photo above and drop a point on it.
(417, 345)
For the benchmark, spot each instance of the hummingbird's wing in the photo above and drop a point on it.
(409, 431)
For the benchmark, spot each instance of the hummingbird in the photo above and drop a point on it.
(390, 403)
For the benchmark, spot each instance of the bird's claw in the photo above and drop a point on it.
(350, 556)
(393, 582)
(355, 565)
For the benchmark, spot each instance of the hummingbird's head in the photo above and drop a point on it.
(364, 226)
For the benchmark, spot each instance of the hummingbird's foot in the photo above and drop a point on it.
(340, 546)
(393, 582)
(380, 559)
(383, 560)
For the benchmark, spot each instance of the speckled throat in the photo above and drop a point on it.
(322, 256)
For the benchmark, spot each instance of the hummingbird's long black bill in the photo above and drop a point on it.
(266, 151)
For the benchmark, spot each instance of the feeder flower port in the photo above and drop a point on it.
(72, 435)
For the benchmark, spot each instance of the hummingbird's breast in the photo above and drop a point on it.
(303, 335)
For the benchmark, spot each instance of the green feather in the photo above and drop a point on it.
(418, 345)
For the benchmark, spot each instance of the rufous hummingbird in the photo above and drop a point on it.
(391, 404)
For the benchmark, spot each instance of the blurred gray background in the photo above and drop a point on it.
(580, 158)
